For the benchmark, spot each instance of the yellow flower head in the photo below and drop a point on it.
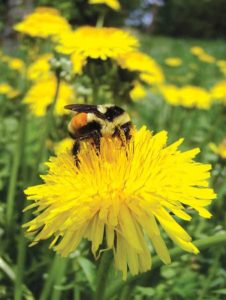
(171, 93)
(97, 43)
(173, 61)
(207, 58)
(188, 96)
(222, 66)
(149, 70)
(196, 50)
(43, 22)
(119, 196)
(194, 96)
(8, 91)
(218, 91)
(219, 149)
(5, 88)
(202, 55)
(39, 69)
(114, 4)
(16, 64)
(41, 95)
(13, 63)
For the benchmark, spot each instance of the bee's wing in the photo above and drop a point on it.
(86, 108)
(81, 107)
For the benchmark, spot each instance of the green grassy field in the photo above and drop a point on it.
(37, 272)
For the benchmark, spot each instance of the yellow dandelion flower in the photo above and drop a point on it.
(219, 149)
(16, 64)
(138, 92)
(171, 93)
(5, 88)
(40, 68)
(188, 96)
(173, 61)
(114, 4)
(97, 43)
(222, 66)
(78, 62)
(207, 58)
(44, 22)
(196, 50)
(119, 196)
(194, 96)
(218, 91)
(41, 95)
(221, 63)
(149, 70)
(202, 55)
(8, 90)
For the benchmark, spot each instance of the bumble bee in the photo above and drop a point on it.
(91, 122)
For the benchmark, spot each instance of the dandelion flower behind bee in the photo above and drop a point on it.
(41, 95)
(120, 197)
(97, 43)
(148, 69)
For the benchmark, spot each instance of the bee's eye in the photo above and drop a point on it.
(79, 120)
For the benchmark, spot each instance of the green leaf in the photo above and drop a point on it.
(89, 270)
(168, 272)
(220, 291)
(146, 291)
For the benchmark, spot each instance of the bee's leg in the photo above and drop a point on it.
(123, 133)
(119, 132)
(75, 150)
(96, 141)
(127, 130)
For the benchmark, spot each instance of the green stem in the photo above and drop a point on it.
(101, 18)
(59, 276)
(14, 172)
(76, 293)
(102, 272)
(49, 281)
(20, 266)
(116, 287)
(48, 126)
(125, 293)
(211, 273)
(54, 277)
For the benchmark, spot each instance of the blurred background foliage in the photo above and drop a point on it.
(163, 29)
(203, 19)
